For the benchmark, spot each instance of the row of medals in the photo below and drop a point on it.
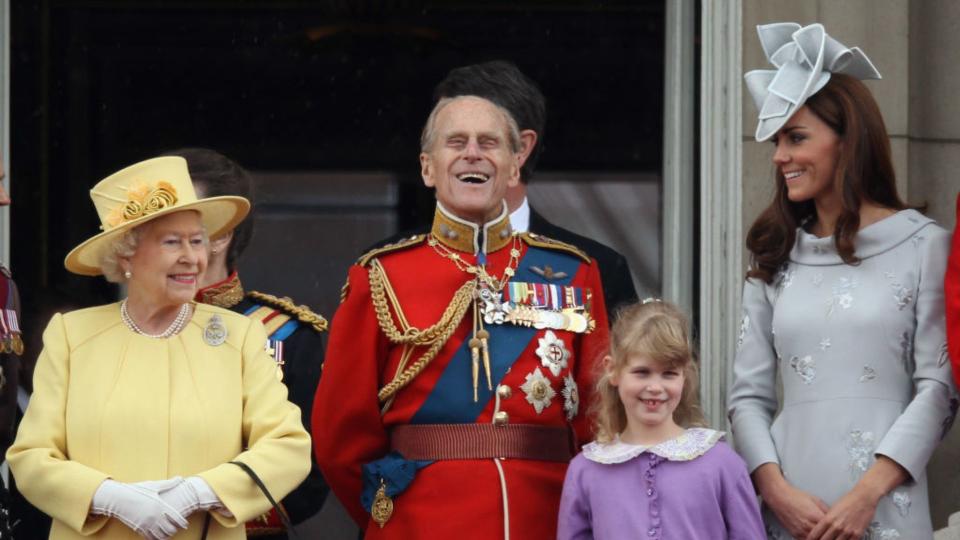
(496, 311)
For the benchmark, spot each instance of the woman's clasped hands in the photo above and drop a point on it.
(155, 509)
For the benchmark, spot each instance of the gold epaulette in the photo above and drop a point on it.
(285, 304)
(396, 246)
(538, 240)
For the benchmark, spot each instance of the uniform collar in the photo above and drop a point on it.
(225, 294)
(466, 236)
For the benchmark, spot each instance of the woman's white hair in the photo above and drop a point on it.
(123, 247)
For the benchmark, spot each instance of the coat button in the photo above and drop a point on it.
(504, 391)
(501, 418)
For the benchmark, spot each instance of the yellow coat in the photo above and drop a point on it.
(109, 403)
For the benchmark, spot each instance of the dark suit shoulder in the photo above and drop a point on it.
(600, 252)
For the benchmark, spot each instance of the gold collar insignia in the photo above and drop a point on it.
(465, 236)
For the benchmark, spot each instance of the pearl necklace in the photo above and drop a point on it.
(175, 327)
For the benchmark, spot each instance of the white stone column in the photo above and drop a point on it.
(678, 158)
(721, 234)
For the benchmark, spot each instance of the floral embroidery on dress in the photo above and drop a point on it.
(901, 499)
(571, 397)
(785, 277)
(817, 279)
(903, 296)
(824, 344)
(842, 295)
(860, 446)
(876, 532)
(906, 352)
(744, 326)
(868, 374)
(948, 421)
(805, 367)
(538, 390)
(944, 357)
(689, 445)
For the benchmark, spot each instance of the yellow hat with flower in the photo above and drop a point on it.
(145, 191)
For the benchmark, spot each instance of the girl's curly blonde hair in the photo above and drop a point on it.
(659, 331)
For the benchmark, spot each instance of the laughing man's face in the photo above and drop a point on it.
(470, 161)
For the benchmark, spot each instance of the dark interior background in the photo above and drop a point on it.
(326, 99)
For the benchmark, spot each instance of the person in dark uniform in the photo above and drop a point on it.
(296, 334)
(504, 84)
(11, 348)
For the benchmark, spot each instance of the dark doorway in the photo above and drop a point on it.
(320, 88)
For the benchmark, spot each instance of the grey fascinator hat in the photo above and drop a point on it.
(804, 58)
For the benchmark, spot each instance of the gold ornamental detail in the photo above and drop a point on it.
(142, 200)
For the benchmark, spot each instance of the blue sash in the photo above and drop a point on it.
(451, 400)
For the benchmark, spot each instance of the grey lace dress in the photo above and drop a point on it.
(861, 355)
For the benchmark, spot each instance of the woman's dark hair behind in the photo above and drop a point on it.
(864, 172)
(214, 174)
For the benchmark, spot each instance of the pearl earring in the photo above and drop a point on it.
(127, 274)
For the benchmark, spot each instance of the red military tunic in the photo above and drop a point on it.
(951, 289)
(455, 498)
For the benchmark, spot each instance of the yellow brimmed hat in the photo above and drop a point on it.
(145, 191)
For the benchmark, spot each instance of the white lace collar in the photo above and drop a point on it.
(691, 444)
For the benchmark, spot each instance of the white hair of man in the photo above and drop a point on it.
(429, 134)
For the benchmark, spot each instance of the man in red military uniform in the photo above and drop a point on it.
(460, 361)
(951, 290)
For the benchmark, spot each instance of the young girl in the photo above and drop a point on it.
(651, 474)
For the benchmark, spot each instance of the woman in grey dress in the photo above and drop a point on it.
(844, 302)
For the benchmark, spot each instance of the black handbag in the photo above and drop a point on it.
(284, 518)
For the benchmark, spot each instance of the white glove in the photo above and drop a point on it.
(139, 508)
(185, 495)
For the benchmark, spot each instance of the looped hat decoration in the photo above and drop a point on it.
(805, 57)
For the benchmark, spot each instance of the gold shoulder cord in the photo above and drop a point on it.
(302, 313)
(434, 336)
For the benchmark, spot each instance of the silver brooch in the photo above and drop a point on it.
(538, 390)
(215, 333)
(571, 397)
(552, 352)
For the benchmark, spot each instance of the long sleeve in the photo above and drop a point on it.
(346, 421)
(574, 516)
(278, 447)
(741, 510)
(38, 458)
(304, 356)
(951, 288)
(753, 399)
(917, 432)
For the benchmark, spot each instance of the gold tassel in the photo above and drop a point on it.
(485, 348)
(475, 356)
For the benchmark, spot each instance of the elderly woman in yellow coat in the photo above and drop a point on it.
(139, 407)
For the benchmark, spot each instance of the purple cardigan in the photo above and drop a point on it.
(705, 496)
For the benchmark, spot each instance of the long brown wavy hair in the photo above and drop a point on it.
(660, 332)
(864, 172)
